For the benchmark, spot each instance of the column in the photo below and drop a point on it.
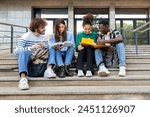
(149, 26)
(71, 16)
(112, 16)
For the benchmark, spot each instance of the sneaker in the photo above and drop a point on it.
(122, 71)
(88, 74)
(23, 84)
(49, 73)
(103, 71)
(80, 73)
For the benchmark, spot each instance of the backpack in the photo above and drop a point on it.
(110, 57)
(38, 63)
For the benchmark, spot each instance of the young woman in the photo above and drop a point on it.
(85, 53)
(62, 41)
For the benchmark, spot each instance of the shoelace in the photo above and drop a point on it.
(122, 69)
(24, 80)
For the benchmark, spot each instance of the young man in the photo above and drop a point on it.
(113, 38)
(29, 42)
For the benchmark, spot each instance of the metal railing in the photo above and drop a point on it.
(9, 32)
(140, 29)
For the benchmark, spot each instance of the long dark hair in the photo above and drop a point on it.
(88, 19)
(57, 33)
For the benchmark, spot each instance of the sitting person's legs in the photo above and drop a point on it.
(120, 48)
(89, 62)
(23, 60)
(80, 62)
(49, 73)
(102, 71)
(60, 63)
(68, 58)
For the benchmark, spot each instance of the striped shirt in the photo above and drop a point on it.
(112, 34)
(28, 40)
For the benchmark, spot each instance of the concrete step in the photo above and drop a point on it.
(131, 70)
(77, 92)
(135, 85)
(139, 46)
(137, 60)
(111, 87)
(78, 82)
(13, 60)
(139, 65)
(74, 78)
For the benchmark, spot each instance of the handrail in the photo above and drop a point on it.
(145, 30)
(135, 33)
(12, 32)
(13, 25)
(142, 26)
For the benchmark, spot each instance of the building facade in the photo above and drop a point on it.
(119, 13)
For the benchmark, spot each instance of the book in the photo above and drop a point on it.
(65, 44)
(90, 42)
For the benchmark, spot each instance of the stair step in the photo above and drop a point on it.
(75, 78)
(135, 85)
(114, 71)
(76, 92)
(138, 65)
(59, 83)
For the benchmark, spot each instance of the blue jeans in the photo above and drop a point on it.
(64, 57)
(25, 55)
(51, 56)
(120, 48)
(23, 60)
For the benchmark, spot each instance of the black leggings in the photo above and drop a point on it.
(85, 55)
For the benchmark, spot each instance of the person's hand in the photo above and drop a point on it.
(58, 47)
(36, 46)
(80, 47)
(42, 44)
(100, 42)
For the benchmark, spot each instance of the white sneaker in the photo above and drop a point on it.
(122, 71)
(80, 73)
(88, 74)
(103, 71)
(23, 84)
(49, 73)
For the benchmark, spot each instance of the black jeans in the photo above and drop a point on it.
(85, 55)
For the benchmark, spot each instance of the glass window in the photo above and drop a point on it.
(54, 13)
(142, 37)
(128, 31)
(49, 27)
(97, 13)
(125, 13)
(129, 19)
(130, 16)
(51, 15)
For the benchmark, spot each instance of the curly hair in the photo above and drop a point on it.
(36, 23)
(88, 19)
(104, 22)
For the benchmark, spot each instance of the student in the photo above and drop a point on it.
(62, 41)
(28, 43)
(115, 39)
(85, 53)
